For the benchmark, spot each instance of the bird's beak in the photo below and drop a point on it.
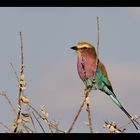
(74, 48)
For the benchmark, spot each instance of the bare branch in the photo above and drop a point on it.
(21, 82)
(21, 51)
(86, 93)
(98, 37)
(45, 116)
(89, 115)
(134, 117)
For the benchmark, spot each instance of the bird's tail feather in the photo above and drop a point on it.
(130, 117)
(116, 101)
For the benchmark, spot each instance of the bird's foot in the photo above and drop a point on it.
(87, 90)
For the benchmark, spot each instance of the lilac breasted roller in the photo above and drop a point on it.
(94, 75)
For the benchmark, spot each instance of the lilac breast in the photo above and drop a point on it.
(86, 67)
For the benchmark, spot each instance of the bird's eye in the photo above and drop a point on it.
(84, 48)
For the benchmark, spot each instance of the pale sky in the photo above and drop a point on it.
(50, 72)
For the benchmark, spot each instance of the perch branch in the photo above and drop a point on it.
(89, 115)
(86, 93)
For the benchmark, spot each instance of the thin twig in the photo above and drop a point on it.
(10, 103)
(97, 59)
(38, 122)
(98, 38)
(15, 72)
(22, 57)
(44, 114)
(86, 93)
(128, 123)
(27, 128)
(32, 122)
(6, 127)
(76, 117)
(50, 127)
(56, 124)
(89, 119)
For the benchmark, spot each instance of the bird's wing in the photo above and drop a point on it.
(103, 69)
(105, 78)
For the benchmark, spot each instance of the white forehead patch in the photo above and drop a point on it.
(81, 45)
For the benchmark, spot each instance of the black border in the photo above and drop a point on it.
(71, 136)
(69, 3)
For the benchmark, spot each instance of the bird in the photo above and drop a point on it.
(94, 74)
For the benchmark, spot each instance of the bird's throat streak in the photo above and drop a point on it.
(83, 67)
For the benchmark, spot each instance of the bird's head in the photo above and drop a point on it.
(84, 49)
(81, 46)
